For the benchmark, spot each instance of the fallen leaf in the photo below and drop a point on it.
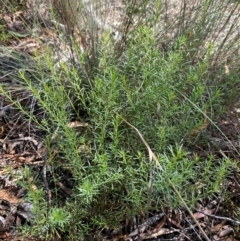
(217, 227)
(164, 231)
(202, 214)
(77, 124)
(226, 70)
(225, 231)
(7, 196)
(160, 225)
(175, 223)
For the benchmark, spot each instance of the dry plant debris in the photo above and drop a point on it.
(175, 225)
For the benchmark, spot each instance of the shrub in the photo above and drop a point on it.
(166, 92)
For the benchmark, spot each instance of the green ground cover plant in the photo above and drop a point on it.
(168, 93)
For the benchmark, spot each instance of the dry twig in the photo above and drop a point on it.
(218, 217)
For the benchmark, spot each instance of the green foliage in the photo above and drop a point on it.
(9, 6)
(109, 164)
(204, 177)
(4, 36)
(46, 223)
